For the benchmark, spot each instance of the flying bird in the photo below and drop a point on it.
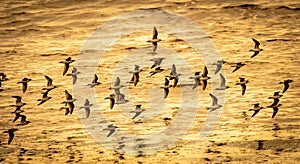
(215, 104)
(256, 109)
(24, 83)
(136, 76)
(204, 77)
(223, 83)
(111, 129)
(87, 107)
(243, 83)
(11, 134)
(286, 84)
(112, 100)
(94, 81)
(154, 40)
(174, 75)
(49, 84)
(166, 88)
(197, 79)
(275, 97)
(44, 98)
(69, 101)
(157, 62)
(74, 75)
(67, 63)
(117, 86)
(138, 110)
(256, 49)
(23, 120)
(237, 66)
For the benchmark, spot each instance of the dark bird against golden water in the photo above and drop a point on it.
(112, 100)
(11, 134)
(242, 83)
(237, 66)
(286, 84)
(256, 49)
(67, 63)
(87, 107)
(24, 83)
(256, 109)
(69, 101)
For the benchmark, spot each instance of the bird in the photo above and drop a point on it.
(166, 88)
(286, 84)
(94, 81)
(219, 64)
(237, 66)
(215, 104)
(3, 76)
(69, 101)
(44, 98)
(256, 109)
(243, 83)
(74, 75)
(112, 100)
(275, 109)
(174, 76)
(135, 77)
(138, 110)
(66, 64)
(275, 97)
(223, 83)
(204, 78)
(111, 129)
(24, 83)
(87, 106)
(19, 102)
(11, 134)
(49, 84)
(157, 62)
(154, 40)
(155, 71)
(256, 49)
(117, 86)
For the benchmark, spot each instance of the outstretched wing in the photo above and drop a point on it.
(49, 83)
(155, 33)
(214, 99)
(256, 43)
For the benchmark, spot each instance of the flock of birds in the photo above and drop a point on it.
(200, 79)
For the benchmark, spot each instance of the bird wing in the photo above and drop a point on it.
(286, 87)
(214, 99)
(112, 103)
(68, 95)
(74, 79)
(87, 112)
(67, 111)
(173, 70)
(223, 80)
(167, 82)
(205, 71)
(66, 68)
(24, 87)
(154, 46)
(136, 78)
(175, 81)
(155, 33)
(275, 102)
(23, 118)
(255, 53)
(19, 99)
(255, 112)
(49, 83)
(16, 117)
(166, 92)
(256, 43)
(204, 84)
(11, 137)
(219, 66)
(243, 88)
(87, 102)
(71, 107)
(275, 111)
(118, 81)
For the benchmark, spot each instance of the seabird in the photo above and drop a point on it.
(157, 62)
(135, 77)
(23, 120)
(111, 129)
(87, 106)
(24, 83)
(44, 98)
(138, 110)
(3, 77)
(174, 75)
(154, 40)
(166, 88)
(49, 84)
(204, 78)
(11, 134)
(256, 49)
(223, 83)
(214, 104)
(256, 109)
(243, 83)
(69, 101)
(286, 84)
(117, 86)
(74, 75)
(94, 81)
(275, 97)
(112, 100)
(237, 66)
(67, 64)
(157, 70)
(275, 110)
(219, 64)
